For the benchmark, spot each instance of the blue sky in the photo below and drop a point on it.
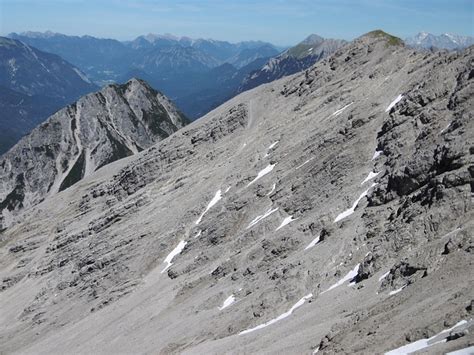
(282, 22)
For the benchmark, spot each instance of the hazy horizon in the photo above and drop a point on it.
(281, 22)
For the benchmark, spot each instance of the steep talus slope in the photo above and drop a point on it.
(259, 228)
(116, 122)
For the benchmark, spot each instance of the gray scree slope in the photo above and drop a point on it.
(83, 271)
(116, 122)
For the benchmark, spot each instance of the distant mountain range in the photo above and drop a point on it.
(225, 82)
(444, 41)
(293, 60)
(108, 60)
(180, 67)
(33, 84)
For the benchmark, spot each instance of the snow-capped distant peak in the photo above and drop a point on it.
(422, 35)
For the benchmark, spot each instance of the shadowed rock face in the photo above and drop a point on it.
(33, 85)
(143, 256)
(98, 129)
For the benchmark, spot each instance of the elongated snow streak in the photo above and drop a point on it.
(425, 343)
(313, 243)
(176, 251)
(270, 148)
(301, 165)
(451, 233)
(259, 218)
(445, 128)
(286, 221)
(338, 112)
(214, 200)
(262, 173)
(351, 210)
(280, 317)
(384, 275)
(272, 145)
(227, 190)
(394, 292)
(349, 276)
(465, 351)
(273, 189)
(316, 350)
(228, 301)
(198, 234)
(370, 177)
(394, 102)
(377, 154)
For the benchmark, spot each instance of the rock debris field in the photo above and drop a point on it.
(329, 212)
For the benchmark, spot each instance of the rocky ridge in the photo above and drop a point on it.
(329, 211)
(114, 123)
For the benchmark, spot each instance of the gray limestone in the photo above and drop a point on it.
(81, 272)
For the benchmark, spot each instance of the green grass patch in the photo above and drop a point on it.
(391, 40)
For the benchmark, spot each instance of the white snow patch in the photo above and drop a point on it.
(423, 343)
(272, 145)
(198, 234)
(394, 102)
(259, 218)
(286, 221)
(465, 351)
(270, 148)
(313, 243)
(228, 301)
(394, 292)
(280, 317)
(370, 177)
(309, 50)
(273, 189)
(338, 112)
(176, 251)
(445, 128)
(227, 190)
(377, 154)
(316, 350)
(306, 162)
(384, 275)
(351, 210)
(350, 275)
(262, 173)
(214, 200)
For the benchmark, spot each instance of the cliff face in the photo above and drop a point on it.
(331, 210)
(99, 128)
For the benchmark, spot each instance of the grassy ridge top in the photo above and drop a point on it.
(391, 40)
